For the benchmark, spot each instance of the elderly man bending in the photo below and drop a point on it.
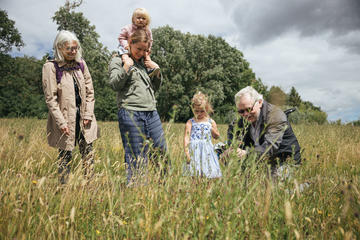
(264, 127)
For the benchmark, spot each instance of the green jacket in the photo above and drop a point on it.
(135, 91)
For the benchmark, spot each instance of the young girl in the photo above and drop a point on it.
(200, 155)
(140, 20)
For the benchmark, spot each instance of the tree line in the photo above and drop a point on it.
(189, 63)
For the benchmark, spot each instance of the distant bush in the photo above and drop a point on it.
(306, 115)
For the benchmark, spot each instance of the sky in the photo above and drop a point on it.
(313, 46)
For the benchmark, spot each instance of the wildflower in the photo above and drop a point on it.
(34, 181)
(123, 222)
(110, 213)
(319, 211)
(98, 232)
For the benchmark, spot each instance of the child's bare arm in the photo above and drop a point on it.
(214, 130)
(187, 140)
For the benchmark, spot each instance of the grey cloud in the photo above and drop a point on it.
(262, 21)
(351, 40)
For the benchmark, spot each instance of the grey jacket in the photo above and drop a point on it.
(277, 138)
(135, 91)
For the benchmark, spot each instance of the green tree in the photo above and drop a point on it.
(276, 96)
(192, 63)
(9, 35)
(20, 87)
(293, 98)
(95, 55)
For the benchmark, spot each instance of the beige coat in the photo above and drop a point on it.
(60, 100)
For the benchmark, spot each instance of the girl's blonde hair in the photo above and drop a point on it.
(201, 100)
(141, 12)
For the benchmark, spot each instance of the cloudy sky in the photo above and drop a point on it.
(311, 45)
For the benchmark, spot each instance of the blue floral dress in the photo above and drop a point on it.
(204, 161)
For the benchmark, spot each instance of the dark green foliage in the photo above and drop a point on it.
(293, 98)
(9, 35)
(20, 87)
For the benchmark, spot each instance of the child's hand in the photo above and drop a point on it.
(214, 130)
(187, 160)
(128, 62)
(150, 64)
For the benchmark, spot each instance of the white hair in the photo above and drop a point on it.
(61, 39)
(250, 92)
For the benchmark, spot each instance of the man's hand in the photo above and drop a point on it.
(240, 153)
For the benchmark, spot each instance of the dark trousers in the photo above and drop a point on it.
(86, 151)
(138, 129)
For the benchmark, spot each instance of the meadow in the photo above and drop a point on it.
(243, 204)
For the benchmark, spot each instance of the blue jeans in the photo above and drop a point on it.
(137, 128)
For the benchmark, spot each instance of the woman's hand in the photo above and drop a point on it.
(65, 130)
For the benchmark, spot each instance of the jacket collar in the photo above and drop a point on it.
(263, 111)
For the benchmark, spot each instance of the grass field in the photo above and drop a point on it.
(241, 205)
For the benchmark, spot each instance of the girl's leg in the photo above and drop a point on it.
(64, 165)
(131, 124)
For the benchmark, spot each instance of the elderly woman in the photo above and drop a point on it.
(138, 118)
(69, 95)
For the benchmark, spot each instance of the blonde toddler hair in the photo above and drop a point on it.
(201, 100)
(141, 12)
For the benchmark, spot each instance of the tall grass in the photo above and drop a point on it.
(241, 205)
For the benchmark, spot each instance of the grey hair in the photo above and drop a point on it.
(250, 92)
(61, 39)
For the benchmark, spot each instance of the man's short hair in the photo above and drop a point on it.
(250, 92)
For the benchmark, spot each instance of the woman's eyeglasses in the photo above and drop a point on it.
(248, 110)
(71, 49)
